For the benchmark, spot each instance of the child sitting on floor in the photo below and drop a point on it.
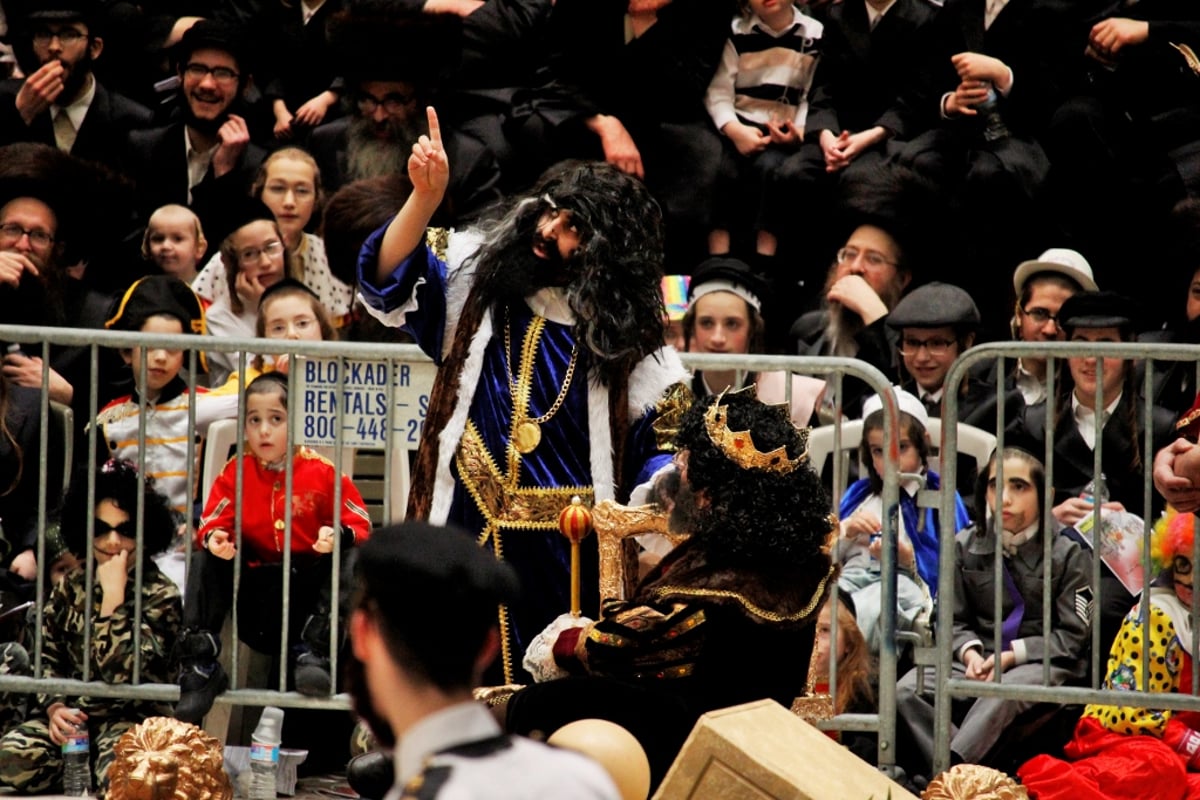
(31, 759)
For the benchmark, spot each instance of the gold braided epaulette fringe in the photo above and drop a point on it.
(436, 240)
(669, 413)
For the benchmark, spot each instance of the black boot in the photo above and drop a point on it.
(312, 674)
(201, 678)
(371, 775)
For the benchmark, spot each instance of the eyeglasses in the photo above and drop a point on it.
(935, 347)
(302, 325)
(270, 250)
(873, 258)
(393, 103)
(66, 36)
(1040, 316)
(196, 71)
(12, 232)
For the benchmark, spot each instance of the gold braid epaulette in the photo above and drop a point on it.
(436, 240)
(758, 611)
(669, 413)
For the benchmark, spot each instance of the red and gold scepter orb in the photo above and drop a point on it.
(575, 523)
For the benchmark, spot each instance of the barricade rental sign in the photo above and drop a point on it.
(353, 394)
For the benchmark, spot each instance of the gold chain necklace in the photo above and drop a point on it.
(526, 431)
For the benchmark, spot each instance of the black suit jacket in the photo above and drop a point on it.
(1073, 458)
(658, 77)
(862, 72)
(109, 121)
(157, 160)
(1030, 36)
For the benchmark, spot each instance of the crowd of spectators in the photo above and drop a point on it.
(860, 178)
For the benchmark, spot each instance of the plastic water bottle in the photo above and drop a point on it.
(77, 774)
(993, 124)
(264, 754)
(1096, 491)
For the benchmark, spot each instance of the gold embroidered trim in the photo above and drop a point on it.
(680, 671)
(437, 239)
(669, 417)
(770, 616)
(505, 506)
(608, 639)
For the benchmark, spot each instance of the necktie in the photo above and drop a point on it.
(64, 132)
(934, 407)
(1012, 623)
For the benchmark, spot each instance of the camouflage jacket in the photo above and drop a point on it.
(112, 653)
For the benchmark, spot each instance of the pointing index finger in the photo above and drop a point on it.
(435, 130)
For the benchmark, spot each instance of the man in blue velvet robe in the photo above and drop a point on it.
(553, 381)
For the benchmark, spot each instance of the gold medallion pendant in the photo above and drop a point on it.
(527, 434)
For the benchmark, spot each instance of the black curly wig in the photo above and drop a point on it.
(613, 278)
(754, 517)
(117, 481)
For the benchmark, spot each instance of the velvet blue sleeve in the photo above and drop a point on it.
(412, 297)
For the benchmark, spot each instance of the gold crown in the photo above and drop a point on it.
(739, 447)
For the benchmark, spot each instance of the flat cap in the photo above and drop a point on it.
(935, 305)
(1097, 310)
(439, 570)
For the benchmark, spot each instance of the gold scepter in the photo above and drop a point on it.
(575, 522)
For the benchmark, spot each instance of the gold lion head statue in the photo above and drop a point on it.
(165, 759)
(973, 782)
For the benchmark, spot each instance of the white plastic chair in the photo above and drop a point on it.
(972, 441)
(820, 446)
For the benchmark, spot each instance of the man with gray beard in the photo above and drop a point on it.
(391, 69)
(864, 283)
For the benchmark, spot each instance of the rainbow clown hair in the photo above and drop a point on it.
(1173, 536)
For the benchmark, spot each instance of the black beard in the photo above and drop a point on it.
(206, 127)
(76, 78)
(532, 273)
(364, 704)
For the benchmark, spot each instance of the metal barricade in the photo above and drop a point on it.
(397, 357)
(1006, 357)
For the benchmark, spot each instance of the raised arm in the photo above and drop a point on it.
(429, 171)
